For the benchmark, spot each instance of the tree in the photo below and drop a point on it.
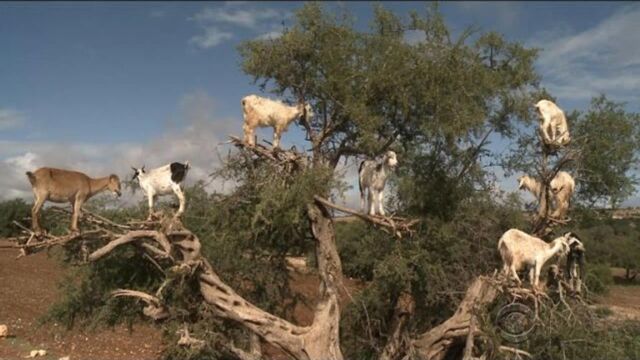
(436, 102)
(608, 150)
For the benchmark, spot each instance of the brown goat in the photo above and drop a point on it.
(61, 186)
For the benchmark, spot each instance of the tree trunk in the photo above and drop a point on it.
(320, 340)
(437, 342)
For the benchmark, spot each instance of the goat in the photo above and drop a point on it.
(554, 124)
(262, 112)
(519, 250)
(575, 264)
(60, 186)
(372, 177)
(562, 187)
(161, 181)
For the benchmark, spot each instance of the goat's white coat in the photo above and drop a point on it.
(158, 182)
(258, 111)
(562, 188)
(519, 250)
(372, 178)
(555, 130)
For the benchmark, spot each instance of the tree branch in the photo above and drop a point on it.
(397, 225)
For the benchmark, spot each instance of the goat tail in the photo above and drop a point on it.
(32, 178)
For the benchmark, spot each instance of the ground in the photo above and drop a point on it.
(29, 286)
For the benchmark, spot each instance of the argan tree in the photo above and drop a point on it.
(220, 277)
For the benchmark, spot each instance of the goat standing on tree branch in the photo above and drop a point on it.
(562, 187)
(554, 127)
(519, 250)
(262, 112)
(61, 186)
(162, 181)
(372, 177)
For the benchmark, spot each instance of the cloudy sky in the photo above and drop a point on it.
(99, 87)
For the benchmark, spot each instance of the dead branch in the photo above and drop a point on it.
(396, 225)
(399, 342)
(187, 340)
(434, 344)
(154, 308)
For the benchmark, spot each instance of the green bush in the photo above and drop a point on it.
(598, 278)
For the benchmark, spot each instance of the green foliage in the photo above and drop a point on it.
(610, 139)
(598, 278)
(575, 333)
(10, 211)
(436, 266)
(369, 88)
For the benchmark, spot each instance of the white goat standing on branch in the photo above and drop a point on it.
(519, 250)
(262, 112)
(162, 181)
(372, 177)
(562, 187)
(554, 124)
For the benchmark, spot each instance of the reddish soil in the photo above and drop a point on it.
(28, 286)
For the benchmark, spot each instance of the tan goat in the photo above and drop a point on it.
(61, 186)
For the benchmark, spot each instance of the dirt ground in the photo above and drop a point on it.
(29, 285)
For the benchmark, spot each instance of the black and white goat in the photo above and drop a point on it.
(575, 264)
(162, 181)
(372, 177)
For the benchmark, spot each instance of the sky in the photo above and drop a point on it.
(102, 86)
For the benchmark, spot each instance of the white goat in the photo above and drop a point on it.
(520, 250)
(372, 176)
(554, 124)
(562, 187)
(262, 112)
(162, 181)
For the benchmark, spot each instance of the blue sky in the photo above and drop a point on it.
(100, 86)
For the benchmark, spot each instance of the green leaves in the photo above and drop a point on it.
(370, 87)
(609, 145)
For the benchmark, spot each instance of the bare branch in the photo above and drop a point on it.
(154, 308)
(397, 225)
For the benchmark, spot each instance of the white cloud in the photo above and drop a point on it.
(197, 142)
(221, 23)
(212, 36)
(602, 59)
(10, 118)
(270, 35)
(248, 18)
